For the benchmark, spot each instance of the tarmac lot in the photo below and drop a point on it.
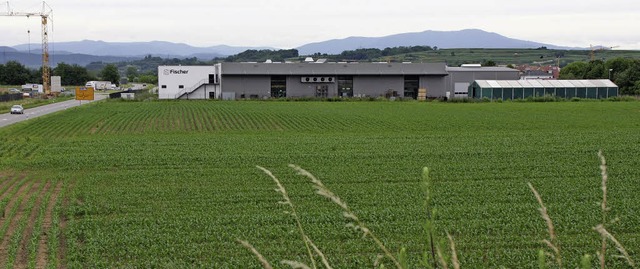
(8, 118)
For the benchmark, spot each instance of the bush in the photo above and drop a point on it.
(623, 98)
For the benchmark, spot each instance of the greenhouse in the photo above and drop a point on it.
(522, 89)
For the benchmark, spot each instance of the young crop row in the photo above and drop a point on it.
(174, 184)
(25, 222)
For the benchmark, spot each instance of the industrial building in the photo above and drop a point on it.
(521, 89)
(460, 78)
(230, 81)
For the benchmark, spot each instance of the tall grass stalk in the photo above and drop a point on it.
(605, 177)
(441, 260)
(294, 214)
(601, 229)
(604, 233)
(427, 186)
(295, 264)
(454, 256)
(552, 242)
(263, 261)
(347, 213)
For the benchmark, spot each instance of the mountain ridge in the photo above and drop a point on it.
(86, 51)
(138, 49)
(467, 38)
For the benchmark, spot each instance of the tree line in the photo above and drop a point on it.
(15, 73)
(622, 71)
(373, 54)
(263, 55)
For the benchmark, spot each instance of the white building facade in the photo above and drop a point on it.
(189, 82)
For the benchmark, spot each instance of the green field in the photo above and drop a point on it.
(456, 57)
(173, 184)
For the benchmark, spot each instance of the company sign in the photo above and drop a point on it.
(167, 72)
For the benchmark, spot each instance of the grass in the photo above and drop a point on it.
(173, 184)
(5, 107)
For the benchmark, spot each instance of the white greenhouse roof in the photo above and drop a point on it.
(597, 83)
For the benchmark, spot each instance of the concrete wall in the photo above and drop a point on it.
(375, 86)
(435, 85)
(297, 88)
(248, 85)
(369, 86)
(56, 84)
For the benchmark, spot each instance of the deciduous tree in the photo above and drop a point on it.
(110, 73)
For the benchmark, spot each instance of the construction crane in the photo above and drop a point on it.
(598, 48)
(45, 15)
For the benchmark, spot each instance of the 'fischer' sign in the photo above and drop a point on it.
(175, 72)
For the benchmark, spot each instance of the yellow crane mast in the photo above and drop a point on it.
(598, 48)
(44, 15)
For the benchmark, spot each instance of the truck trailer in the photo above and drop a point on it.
(100, 85)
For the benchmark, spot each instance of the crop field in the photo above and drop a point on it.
(174, 184)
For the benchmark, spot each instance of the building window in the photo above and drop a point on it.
(164, 86)
(278, 86)
(181, 87)
(411, 85)
(345, 86)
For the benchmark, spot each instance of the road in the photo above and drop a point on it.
(8, 118)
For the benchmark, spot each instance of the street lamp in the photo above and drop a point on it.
(610, 73)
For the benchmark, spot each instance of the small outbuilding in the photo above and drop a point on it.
(522, 89)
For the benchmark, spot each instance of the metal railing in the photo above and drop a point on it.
(192, 88)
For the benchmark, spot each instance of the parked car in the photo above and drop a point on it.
(17, 109)
(14, 90)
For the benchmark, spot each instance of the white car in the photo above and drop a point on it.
(17, 109)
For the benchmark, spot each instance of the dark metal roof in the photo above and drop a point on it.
(482, 69)
(309, 69)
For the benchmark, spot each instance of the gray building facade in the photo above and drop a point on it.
(278, 80)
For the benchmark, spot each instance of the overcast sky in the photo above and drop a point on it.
(292, 23)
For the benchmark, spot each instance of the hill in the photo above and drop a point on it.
(470, 38)
(34, 60)
(139, 49)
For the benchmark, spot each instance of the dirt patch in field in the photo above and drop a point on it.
(11, 182)
(43, 250)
